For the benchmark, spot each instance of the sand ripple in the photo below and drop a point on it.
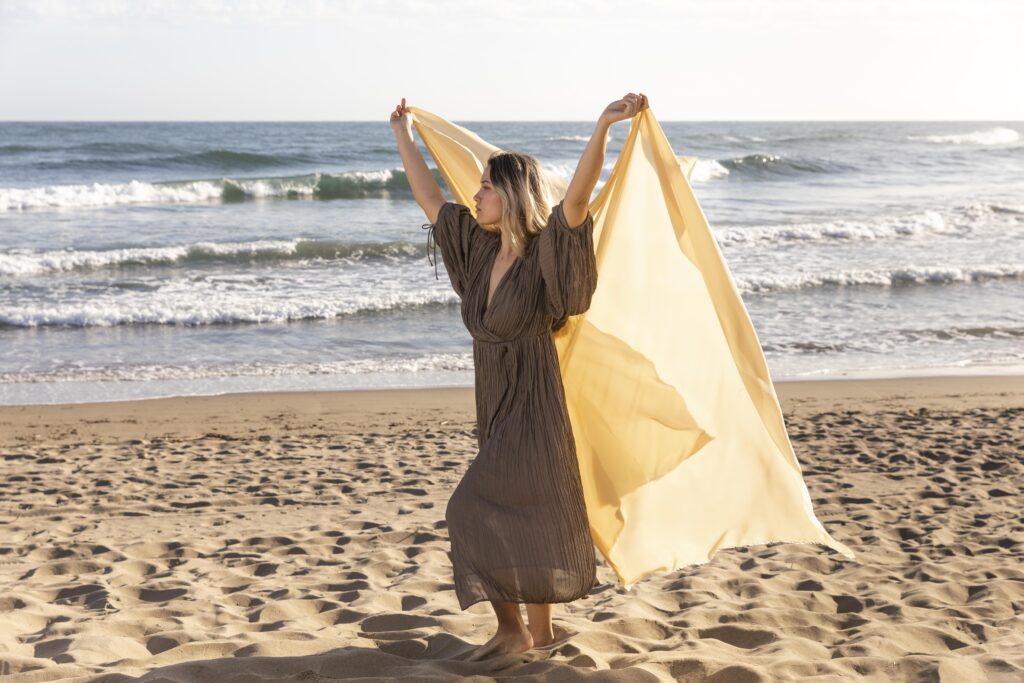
(304, 555)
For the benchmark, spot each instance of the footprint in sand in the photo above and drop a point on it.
(738, 637)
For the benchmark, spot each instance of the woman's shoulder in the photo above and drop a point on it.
(456, 208)
(558, 220)
(458, 221)
(449, 210)
(457, 213)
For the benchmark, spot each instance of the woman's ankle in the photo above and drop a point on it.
(542, 632)
(510, 628)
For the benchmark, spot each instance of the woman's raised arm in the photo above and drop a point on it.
(424, 187)
(588, 170)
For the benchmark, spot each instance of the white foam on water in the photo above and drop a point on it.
(992, 136)
(896, 277)
(430, 362)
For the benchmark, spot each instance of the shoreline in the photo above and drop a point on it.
(35, 394)
(343, 410)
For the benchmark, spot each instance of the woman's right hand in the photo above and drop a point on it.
(628, 107)
(401, 119)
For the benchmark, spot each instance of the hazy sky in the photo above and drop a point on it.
(515, 60)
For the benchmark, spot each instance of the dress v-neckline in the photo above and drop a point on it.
(504, 276)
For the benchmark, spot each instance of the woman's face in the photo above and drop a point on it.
(487, 200)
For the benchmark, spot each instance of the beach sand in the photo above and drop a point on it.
(301, 537)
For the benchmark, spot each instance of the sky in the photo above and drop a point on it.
(526, 60)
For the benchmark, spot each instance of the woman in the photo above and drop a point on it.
(517, 520)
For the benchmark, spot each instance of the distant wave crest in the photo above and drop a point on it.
(209, 306)
(900, 337)
(350, 185)
(993, 136)
(446, 362)
(962, 220)
(760, 165)
(27, 263)
(897, 277)
(571, 138)
(139, 155)
(229, 159)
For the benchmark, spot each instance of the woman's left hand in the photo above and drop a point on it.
(628, 107)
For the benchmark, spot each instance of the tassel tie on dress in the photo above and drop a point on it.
(431, 241)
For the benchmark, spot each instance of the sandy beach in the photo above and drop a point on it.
(301, 537)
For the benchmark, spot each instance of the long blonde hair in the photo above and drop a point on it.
(528, 193)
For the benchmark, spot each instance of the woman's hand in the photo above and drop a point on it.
(401, 119)
(626, 108)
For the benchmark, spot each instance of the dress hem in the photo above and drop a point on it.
(489, 593)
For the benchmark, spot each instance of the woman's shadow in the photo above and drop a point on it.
(398, 656)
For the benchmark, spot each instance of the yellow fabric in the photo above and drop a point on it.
(680, 437)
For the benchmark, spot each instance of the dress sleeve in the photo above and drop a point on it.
(458, 235)
(568, 266)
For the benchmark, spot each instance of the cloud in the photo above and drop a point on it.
(301, 11)
(217, 10)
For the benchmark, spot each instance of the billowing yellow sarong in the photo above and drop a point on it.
(680, 438)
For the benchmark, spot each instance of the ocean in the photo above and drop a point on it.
(155, 259)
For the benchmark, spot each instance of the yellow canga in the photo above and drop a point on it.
(681, 442)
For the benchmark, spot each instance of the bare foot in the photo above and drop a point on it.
(503, 643)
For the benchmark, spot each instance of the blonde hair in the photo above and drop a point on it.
(527, 194)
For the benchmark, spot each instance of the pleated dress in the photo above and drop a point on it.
(517, 520)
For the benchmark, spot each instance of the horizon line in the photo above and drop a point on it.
(989, 120)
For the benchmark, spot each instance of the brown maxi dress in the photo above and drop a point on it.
(517, 521)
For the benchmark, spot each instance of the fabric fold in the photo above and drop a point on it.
(679, 434)
(567, 265)
(459, 235)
